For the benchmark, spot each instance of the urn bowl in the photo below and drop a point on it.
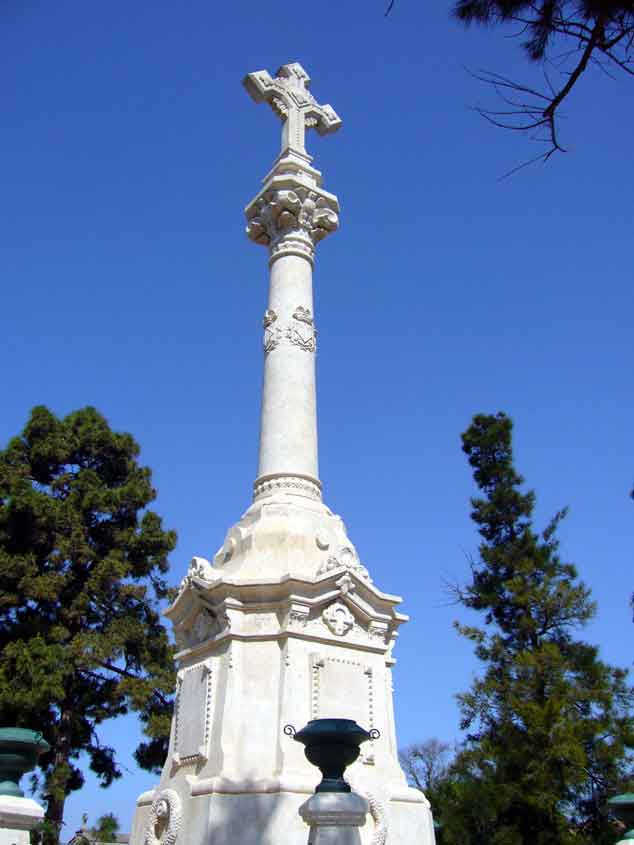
(19, 751)
(332, 745)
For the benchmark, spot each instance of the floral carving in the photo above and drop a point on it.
(272, 338)
(281, 214)
(306, 340)
(347, 559)
(303, 315)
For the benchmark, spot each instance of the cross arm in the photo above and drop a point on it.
(324, 119)
(260, 86)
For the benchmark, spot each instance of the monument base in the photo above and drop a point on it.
(272, 818)
(286, 627)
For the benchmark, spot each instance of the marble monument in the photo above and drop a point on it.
(285, 623)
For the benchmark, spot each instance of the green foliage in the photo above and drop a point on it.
(106, 828)
(545, 19)
(82, 573)
(549, 724)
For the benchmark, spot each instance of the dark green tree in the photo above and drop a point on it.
(550, 728)
(82, 573)
(567, 38)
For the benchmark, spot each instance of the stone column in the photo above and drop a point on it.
(290, 217)
(334, 818)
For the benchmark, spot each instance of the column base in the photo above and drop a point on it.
(297, 485)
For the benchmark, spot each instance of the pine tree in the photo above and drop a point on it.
(82, 566)
(549, 724)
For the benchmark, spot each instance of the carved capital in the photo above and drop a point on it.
(291, 221)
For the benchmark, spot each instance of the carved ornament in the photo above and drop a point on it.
(338, 618)
(297, 484)
(303, 315)
(306, 339)
(164, 822)
(347, 559)
(290, 221)
(198, 568)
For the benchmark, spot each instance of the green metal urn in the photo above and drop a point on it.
(19, 752)
(332, 745)
(622, 807)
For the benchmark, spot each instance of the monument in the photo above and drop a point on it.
(285, 624)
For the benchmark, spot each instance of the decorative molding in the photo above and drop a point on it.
(297, 617)
(300, 485)
(338, 618)
(317, 664)
(378, 631)
(164, 821)
(377, 811)
(201, 752)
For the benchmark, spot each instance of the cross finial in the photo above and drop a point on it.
(290, 99)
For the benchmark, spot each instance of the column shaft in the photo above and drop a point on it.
(288, 433)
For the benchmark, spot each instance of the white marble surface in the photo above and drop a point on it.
(334, 818)
(17, 817)
(285, 624)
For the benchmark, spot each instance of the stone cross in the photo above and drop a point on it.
(290, 99)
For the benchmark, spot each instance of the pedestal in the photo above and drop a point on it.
(334, 818)
(18, 816)
(285, 627)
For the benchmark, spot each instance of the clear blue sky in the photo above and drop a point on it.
(129, 149)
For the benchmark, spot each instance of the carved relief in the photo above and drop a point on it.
(270, 316)
(347, 559)
(297, 618)
(282, 213)
(377, 811)
(198, 568)
(338, 618)
(272, 338)
(303, 315)
(378, 631)
(165, 819)
(305, 339)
